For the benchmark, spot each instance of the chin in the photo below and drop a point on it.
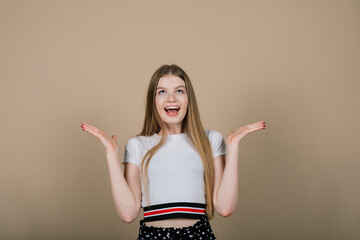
(167, 121)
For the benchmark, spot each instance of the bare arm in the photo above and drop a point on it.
(226, 183)
(125, 188)
(225, 195)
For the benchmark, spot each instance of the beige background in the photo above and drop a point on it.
(293, 64)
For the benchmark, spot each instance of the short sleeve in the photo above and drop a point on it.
(131, 153)
(217, 143)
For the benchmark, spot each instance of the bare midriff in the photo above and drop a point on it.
(176, 222)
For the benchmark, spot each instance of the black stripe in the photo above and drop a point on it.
(173, 215)
(174, 204)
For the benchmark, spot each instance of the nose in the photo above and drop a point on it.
(171, 97)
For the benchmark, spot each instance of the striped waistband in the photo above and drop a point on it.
(174, 210)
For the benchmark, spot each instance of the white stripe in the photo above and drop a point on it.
(174, 212)
(149, 211)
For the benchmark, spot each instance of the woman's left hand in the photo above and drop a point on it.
(234, 138)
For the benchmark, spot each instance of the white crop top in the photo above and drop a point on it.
(175, 173)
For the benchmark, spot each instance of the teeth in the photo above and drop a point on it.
(171, 108)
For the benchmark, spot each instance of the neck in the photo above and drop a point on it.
(171, 131)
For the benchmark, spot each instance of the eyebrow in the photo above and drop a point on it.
(175, 87)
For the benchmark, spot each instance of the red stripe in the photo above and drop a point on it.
(174, 210)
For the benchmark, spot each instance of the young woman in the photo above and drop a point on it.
(175, 170)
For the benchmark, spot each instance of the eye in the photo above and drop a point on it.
(161, 91)
(181, 91)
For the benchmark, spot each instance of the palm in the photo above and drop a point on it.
(110, 143)
(240, 133)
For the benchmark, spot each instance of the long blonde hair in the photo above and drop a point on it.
(191, 125)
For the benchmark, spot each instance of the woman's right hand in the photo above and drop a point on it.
(110, 143)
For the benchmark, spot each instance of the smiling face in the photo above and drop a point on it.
(171, 102)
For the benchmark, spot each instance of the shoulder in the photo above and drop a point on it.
(213, 134)
(135, 149)
(132, 141)
(141, 142)
(217, 142)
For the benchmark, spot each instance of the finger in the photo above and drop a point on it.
(255, 125)
(253, 129)
(261, 124)
(91, 128)
(84, 125)
(258, 124)
(93, 131)
(88, 129)
(87, 126)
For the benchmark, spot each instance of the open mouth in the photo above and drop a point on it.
(172, 110)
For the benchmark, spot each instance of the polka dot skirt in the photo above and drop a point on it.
(201, 230)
